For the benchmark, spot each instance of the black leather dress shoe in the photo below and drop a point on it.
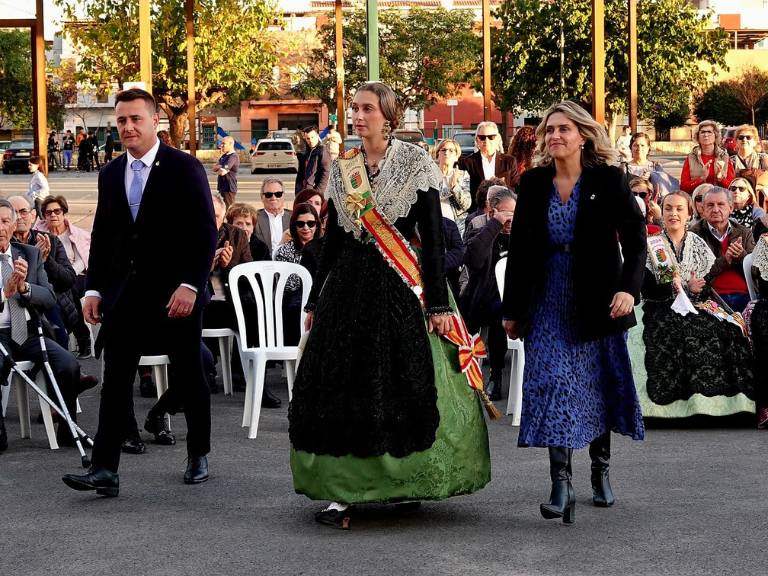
(269, 400)
(157, 425)
(3, 440)
(334, 518)
(197, 470)
(105, 482)
(133, 445)
(86, 383)
(147, 388)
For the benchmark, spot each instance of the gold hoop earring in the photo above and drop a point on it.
(386, 131)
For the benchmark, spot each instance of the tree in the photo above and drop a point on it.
(719, 102)
(751, 90)
(234, 51)
(424, 55)
(15, 78)
(675, 47)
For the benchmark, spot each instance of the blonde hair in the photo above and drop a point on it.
(747, 129)
(442, 144)
(715, 126)
(597, 146)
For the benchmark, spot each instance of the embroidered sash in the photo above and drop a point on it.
(398, 253)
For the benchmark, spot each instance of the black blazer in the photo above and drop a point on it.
(609, 225)
(40, 296)
(314, 169)
(474, 165)
(147, 251)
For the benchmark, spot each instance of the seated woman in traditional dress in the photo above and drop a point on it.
(697, 363)
(380, 411)
(758, 323)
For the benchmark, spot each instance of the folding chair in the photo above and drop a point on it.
(225, 336)
(267, 282)
(22, 402)
(753, 295)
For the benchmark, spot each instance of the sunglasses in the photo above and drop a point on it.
(305, 223)
(56, 211)
(744, 137)
(446, 150)
(699, 199)
(270, 194)
(641, 194)
(483, 137)
(738, 189)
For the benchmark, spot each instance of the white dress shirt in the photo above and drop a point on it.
(5, 314)
(489, 166)
(276, 230)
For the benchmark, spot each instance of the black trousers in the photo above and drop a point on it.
(65, 368)
(130, 331)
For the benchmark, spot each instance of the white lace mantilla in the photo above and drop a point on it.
(404, 170)
(697, 257)
(760, 257)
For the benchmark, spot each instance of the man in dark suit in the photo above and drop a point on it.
(274, 219)
(488, 161)
(314, 164)
(25, 294)
(142, 285)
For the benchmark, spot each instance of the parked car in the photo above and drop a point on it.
(412, 137)
(16, 157)
(352, 141)
(274, 154)
(729, 139)
(466, 139)
(3, 147)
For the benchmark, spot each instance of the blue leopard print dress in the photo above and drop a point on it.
(573, 391)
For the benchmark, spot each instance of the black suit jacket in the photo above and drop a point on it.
(40, 296)
(474, 165)
(146, 251)
(314, 169)
(609, 248)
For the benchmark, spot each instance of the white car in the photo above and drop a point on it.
(275, 154)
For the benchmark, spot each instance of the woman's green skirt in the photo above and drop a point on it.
(457, 463)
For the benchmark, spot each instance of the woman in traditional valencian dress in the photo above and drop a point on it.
(694, 359)
(380, 412)
(573, 274)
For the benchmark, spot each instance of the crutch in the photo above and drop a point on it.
(74, 428)
(52, 379)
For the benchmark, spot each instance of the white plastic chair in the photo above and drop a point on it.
(515, 400)
(268, 292)
(225, 336)
(22, 402)
(753, 295)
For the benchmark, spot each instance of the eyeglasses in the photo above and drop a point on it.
(270, 194)
(738, 189)
(52, 211)
(446, 150)
(308, 223)
(705, 133)
(23, 211)
(744, 137)
(482, 137)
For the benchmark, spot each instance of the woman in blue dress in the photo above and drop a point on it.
(576, 262)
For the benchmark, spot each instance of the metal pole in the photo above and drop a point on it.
(486, 60)
(191, 108)
(341, 122)
(39, 105)
(372, 8)
(632, 27)
(598, 61)
(145, 45)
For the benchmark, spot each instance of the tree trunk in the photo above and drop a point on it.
(177, 122)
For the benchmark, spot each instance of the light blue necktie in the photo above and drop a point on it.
(18, 318)
(134, 194)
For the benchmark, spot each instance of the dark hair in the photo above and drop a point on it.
(60, 200)
(300, 210)
(482, 190)
(521, 149)
(306, 194)
(685, 196)
(637, 135)
(310, 128)
(241, 210)
(34, 159)
(137, 94)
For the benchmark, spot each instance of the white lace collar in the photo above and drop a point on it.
(760, 257)
(404, 170)
(697, 257)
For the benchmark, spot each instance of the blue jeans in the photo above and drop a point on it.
(736, 300)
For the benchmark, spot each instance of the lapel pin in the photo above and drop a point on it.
(592, 197)
(157, 163)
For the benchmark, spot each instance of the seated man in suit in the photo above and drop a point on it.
(488, 161)
(26, 293)
(274, 219)
(730, 242)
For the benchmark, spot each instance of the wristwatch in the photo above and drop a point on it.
(25, 287)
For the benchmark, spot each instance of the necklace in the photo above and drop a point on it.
(373, 167)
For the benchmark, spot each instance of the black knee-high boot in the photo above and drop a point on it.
(600, 453)
(562, 499)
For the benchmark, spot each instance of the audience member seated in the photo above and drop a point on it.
(521, 150)
(273, 220)
(640, 165)
(455, 197)
(303, 227)
(748, 154)
(243, 216)
(745, 208)
(697, 363)
(758, 324)
(729, 242)
(698, 202)
(318, 202)
(644, 194)
(26, 294)
(487, 242)
(63, 316)
(481, 198)
(708, 160)
(77, 245)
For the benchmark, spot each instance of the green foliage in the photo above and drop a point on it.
(15, 78)
(424, 55)
(234, 53)
(673, 43)
(727, 102)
